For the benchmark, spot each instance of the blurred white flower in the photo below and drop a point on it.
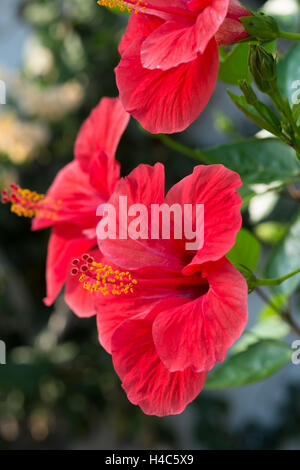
(280, 7)
(263, 134)
(38, 59)
(262, 205)
(50, 103)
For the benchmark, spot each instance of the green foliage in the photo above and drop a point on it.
(234, 66)
(258, 362)
(257, 160)
(285, 258)
(246, 251)
(261, 27)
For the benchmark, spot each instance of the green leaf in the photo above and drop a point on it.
(296, 112)
(289, 74)
(256, 160)
(235, 65)
(258, 362)
(285, 258)
(246, 251)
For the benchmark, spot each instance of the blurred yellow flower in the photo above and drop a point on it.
(20, 140)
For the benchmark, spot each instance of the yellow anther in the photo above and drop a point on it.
(104, 279)
(130, 6)
(26, 203)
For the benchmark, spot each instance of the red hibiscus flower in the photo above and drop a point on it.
(71, 202)
(169, 65)
(167, 314)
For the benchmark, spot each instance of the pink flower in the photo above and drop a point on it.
(169, 65)
(71, 202)
(167, 315)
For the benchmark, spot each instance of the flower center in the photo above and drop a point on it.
(26, 203)
(141, 6)
(135, 6)
(198, 5)
(98, 277)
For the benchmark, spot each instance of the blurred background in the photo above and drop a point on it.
(58, 389)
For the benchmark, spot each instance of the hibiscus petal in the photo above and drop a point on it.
(72, 198)
(138, 26)
(147, 382)
(176, 43)
(236, 10)
(166, 10)
(101, 131)
(66, 242)
(154, 286)
(232, 30)
(214, 186)
(166, 101)
(104, 174)
(197, 5)
(144, 185)
(114, 311)
(198, 333)
(169, 45)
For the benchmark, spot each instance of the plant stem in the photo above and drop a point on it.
(291, 36)
(179, 147)
(287, 317)
(281, 35)
(267, 300)
(285, 314)
(273, 282)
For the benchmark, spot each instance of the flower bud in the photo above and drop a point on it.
(263, 68)
(261, 27)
